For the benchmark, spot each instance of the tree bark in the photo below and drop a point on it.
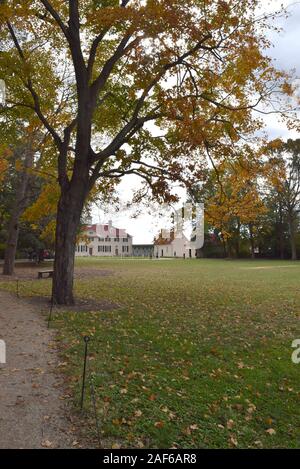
(17, 210)
(237, 240)
(69, 211)
(252, 241)
(12, 242)
(291, 222)
(224, 247)
(281, 241)
(281, 233)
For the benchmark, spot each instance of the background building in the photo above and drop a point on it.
(104, 240)
(172, 246)
(143, 250)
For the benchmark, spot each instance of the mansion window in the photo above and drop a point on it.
(104, 248)
(125, 240)
(125, 248)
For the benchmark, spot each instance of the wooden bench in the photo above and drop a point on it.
(48, 272)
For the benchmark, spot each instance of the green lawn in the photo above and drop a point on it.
(198, 355)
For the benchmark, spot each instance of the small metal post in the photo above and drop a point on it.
(86, 340)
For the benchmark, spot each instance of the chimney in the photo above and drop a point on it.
(110, 227)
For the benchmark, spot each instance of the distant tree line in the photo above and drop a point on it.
(252, 210)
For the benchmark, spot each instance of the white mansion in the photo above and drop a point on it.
(104, 240)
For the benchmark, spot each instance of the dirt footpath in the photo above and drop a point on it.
(33, 409)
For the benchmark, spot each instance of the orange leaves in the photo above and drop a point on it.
(287, 88)
(109, 16)
(4, 155)
(191, 69)
(235, 194)
(274, 144)
(159, 424)
(41, 214)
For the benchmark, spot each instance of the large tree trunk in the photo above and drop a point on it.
(12, 242)
(281, 241)
(281, 233)
(67, 223)
(237, 240)
(224, 246)
(252, 241)
(17, 210)
(292, 229)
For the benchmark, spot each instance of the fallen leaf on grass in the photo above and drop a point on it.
(230, 424)
(194, 427)
(271, 431)
(159, 424)
(233, 441)
(115, 446)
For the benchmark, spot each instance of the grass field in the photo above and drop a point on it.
(198, 354)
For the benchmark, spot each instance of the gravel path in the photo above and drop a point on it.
(33, 409)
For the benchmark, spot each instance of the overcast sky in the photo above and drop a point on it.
(285, 53)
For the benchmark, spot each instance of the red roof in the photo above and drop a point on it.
(91, 228)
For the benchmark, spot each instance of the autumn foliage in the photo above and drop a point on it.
(150, 88)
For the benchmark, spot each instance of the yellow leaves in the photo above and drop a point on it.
(116, 446)
(269, 421)
(275, 144)
(44, 208)
(109, 16)
(235, 197)
(287, 88)
(19, 166)
(5, 154)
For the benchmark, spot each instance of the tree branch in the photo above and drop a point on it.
(75, 47)
(109, 65)
(33, 93)
(49, 7)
